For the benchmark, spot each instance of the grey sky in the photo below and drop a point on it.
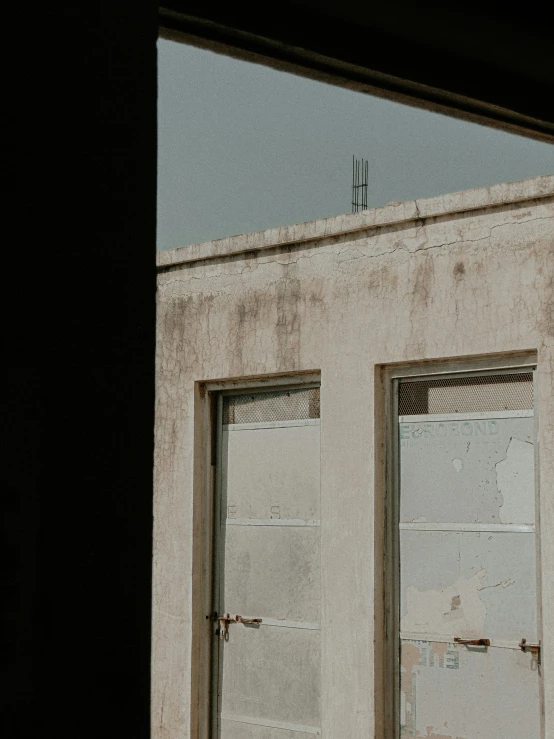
(243, 148)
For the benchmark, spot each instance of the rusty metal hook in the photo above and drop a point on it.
(535, 649)
(242, 620)
(473, 642)
(226, 619)
(224, 625)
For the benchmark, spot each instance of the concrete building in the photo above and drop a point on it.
(353, 512)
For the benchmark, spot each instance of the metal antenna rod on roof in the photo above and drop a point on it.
(360, 177)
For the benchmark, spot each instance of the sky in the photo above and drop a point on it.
(242, 147)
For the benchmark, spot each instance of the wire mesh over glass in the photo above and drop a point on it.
(278, 405)
(510, 392)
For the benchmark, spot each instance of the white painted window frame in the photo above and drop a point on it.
(391, 376)
(208, 428)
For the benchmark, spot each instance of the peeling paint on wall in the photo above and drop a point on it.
(457, 608)
(515, 481)
(417, 655)
(410, 657)
(458, 464)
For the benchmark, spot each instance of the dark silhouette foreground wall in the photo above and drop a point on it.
(79, 290)
(480, 61)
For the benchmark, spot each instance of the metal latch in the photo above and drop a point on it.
(535, 649)
(225, 620)
(473, 642)
(242, 620)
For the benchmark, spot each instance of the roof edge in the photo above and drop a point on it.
(390, 214)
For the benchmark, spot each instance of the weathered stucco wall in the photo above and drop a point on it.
(462, 275)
